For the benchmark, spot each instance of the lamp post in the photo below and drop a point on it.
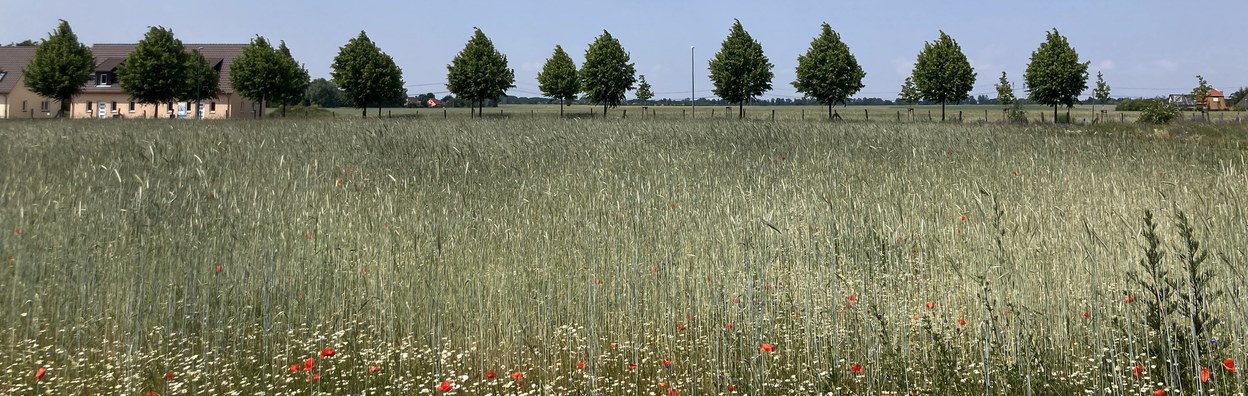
(693, 97)
(199, 105)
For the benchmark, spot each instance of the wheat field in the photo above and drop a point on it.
(609, 257)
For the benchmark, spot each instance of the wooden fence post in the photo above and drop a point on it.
(866, 114)
(773, 114)
(625, 115)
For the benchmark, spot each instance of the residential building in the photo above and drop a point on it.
(15, 100)
(1215, 100)
(103, 97)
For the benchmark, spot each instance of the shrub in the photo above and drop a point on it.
(1136, 104)
(1159, 113)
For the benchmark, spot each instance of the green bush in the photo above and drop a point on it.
(1159, 113)
(1136, 104)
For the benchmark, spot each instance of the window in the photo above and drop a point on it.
(132, 107)
(43, 106)
(104, 79)
(87, 108)
(23, 106)
(2, 75)
(114, 107)
(212, 107)
(169, 107)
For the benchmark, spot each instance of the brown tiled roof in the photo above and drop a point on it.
(223, 54)
(12, 61)
(1215, 93)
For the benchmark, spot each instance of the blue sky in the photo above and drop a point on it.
(1144, 47)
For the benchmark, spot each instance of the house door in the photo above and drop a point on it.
(182, 109)
(102, 110)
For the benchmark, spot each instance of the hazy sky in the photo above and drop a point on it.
(1144, 47)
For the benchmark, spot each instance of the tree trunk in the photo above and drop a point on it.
(604, 111)
(560, 107)
(942, 111)
(741, 110)
(64, 108)
(365, 112)
(1055, 113)
(829, 112)
(1067, 114)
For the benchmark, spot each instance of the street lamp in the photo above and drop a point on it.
(199, 105)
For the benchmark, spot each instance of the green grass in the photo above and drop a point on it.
(442, 250)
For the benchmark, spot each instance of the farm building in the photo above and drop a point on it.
(1216, 100)
(103, 97)
(15, 100)
(433, 102)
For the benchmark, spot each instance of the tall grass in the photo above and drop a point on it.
(980, 259)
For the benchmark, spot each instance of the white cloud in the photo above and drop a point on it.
(1105, 65)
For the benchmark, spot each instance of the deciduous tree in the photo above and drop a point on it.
(366, 75)
(1101, 93)
(1005, 91)
(479, 72)
(60, 67)
(1200, 94)
(607, 73)
(644, 92)
(202, 81)
(324, 94)
(740, 71)
(559, 79)
(294, 78)
(156, 71)
(942, 73)
(828, 72)
(910, 93)
(1055, 76)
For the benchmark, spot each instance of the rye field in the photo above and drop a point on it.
(621, 257)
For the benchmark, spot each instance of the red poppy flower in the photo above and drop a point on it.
(728, 325)
(1229, 364)
(767, 348)
(316, 376)
(1129, 299)
(150, 393)
(961, 322)
(681, 327)
(931, 304)
(1159, 392)
(963, 218)
(42, 371)
(374, 369)
(856, 368)
(1138, 370)
(170, 375)
(853, 298)
(632, 366)
(673, 392)
(216, 268)
(667, 363)
(294, 368)
(580, 365)
(327, 352)
(490, 375)
(446, 386)
(308, 364)
(517, 375)
(1204, 374)
(1086, 314)
(732, 388)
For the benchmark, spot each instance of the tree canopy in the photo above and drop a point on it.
(740, 71)
(942, 73)
(828, 72)
(269, 75)
(479, 72)
(366, 75)
(558, 78)
(295, 78)
(910, 93)
(1005, 91)
(60, 67)
(324, 94)
(156, 71)
(1055, 76)
(607, 73)
(202, 81)
(644, 91)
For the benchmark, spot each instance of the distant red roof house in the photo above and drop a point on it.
(1216, 100)
(433, 102)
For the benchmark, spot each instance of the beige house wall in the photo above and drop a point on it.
(118, 105)
(21, 103)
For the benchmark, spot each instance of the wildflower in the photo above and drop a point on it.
(1204, 374)
(931, 305)
(681, 327)
(490, 375)
(1159, 392)
(517, 375)
(308, 364)
(856, 368)
(1229, 364)
(673, 392)
(667, 364)
(767, 348)
(853, 298)
(632, 366)
(150, 393)
(446, 386)
(316, 376)
(1086, 314)
(963, 218)
(615, 345)
(327, 352)
(42, 371)
(170, 375)
(1138, 370)
(17, 231)
(732, 388)
(294, 368)
(580, 365)
(217, 268)
(961, 322)
(374, 369)
(728, 325)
